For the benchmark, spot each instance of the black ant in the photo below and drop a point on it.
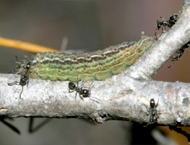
(83, 92)
(153, 112)
(180, 52)
(24, 79)
(19, 65)
(167, 23)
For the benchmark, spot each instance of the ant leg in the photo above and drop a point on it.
(81, 97)
(27, 82)
(82, 85)
(95, 99)
(157, 103)
(21, 93)
(13, 83)
(148, 111)
(163, 30)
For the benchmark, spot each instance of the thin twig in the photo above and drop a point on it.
(20, 45)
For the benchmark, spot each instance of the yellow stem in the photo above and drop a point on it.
(15, 44)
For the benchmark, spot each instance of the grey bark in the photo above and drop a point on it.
(123, 97)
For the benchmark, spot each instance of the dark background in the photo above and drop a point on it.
(88, 26)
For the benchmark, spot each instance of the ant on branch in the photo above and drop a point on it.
(152, 111)
(83, 92)
(168, 24)
(24, 79)
(180, 52)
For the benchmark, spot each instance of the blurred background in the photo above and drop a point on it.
(88, 26)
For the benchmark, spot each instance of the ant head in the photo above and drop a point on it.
(28, 65)
(85, 93)
(71, 86)
(152, 103)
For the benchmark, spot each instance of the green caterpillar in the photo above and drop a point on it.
(98, 65)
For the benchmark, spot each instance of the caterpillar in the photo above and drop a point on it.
(98, 65)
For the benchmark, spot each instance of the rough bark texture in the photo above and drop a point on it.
(124, 97)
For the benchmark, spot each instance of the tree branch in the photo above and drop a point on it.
(163, 49)
(125, 97)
